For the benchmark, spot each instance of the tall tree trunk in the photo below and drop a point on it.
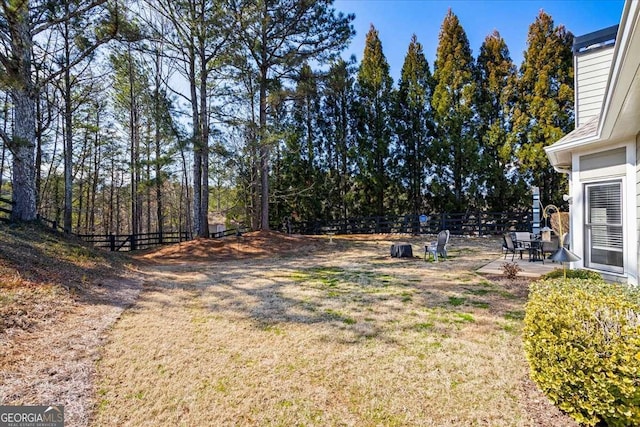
(5, 115)
(112, 195)
(204, 144)
(158, 141)
(38, 162)
(96, 164)
(23, 95)
(134, 147)
(197, 156)
(68, 131)
(80, 227)
(148, 180)
(264, 154)
(23, 149)
(184, 193)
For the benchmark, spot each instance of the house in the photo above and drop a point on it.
(602, 155)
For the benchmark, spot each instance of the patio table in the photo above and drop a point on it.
(534, 246)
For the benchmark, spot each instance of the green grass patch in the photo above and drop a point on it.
(406, 296)
(480, 304)
(423, 326)
(273, 328)
(464, 318)
(339, 316)
(457, 301)
(478, 292)
(514, 315)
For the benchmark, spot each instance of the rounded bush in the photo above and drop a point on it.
(582, 342)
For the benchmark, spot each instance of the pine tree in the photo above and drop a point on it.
(277, 37)
(300, 182)
(496, 96)
(131, 84)
(454, 183)
(336, 122)
(374, 103)
(544, 112)
(23, 24)
(414, 126)
(198, 38)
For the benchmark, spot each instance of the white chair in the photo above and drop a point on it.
(438, 247)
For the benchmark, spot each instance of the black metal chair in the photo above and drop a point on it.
(510, 248)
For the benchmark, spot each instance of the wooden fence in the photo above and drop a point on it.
(6, 207)
(468, 223)
(133, 242)
(473, 223)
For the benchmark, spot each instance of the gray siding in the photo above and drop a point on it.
(592, 73)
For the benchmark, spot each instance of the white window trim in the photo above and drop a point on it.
(628, 173)
(606, 268)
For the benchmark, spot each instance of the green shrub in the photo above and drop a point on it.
(573, 274)
(582, 341)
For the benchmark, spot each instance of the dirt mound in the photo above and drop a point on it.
(254, 244)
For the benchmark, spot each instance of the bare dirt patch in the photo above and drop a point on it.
(256, 244)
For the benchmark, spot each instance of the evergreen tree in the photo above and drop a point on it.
(198, 37)
(337, 128)
(374, 103)
(414, 126)
(303, 181)
(23, 24)
(496, 79)
(454, 182)
(544, 111)
(277, 37)
(130, 90)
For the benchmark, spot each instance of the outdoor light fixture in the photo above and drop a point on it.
(546, 234)
(563, 255)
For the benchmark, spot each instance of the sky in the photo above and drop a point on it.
(397, 20)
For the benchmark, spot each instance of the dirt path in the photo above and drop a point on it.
(55, 362)
(307, 332)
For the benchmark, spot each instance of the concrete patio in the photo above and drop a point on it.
(529, 269)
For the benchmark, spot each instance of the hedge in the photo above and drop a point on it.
(577, 273)
(582, 342)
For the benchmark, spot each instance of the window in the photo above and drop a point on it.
(604, 243)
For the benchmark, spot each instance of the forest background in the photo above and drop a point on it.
(150, 116)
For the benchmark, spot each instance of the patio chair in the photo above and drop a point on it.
(549, 247)
(510, 248)
(566, 241)
(521, 238)
(438, 247)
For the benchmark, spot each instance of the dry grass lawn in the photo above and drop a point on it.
(322, 334)
(57, 299)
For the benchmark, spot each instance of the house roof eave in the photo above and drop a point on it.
(559, 154)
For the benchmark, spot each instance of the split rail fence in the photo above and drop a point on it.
(469, 223)
(6, 206)
(475, 223)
